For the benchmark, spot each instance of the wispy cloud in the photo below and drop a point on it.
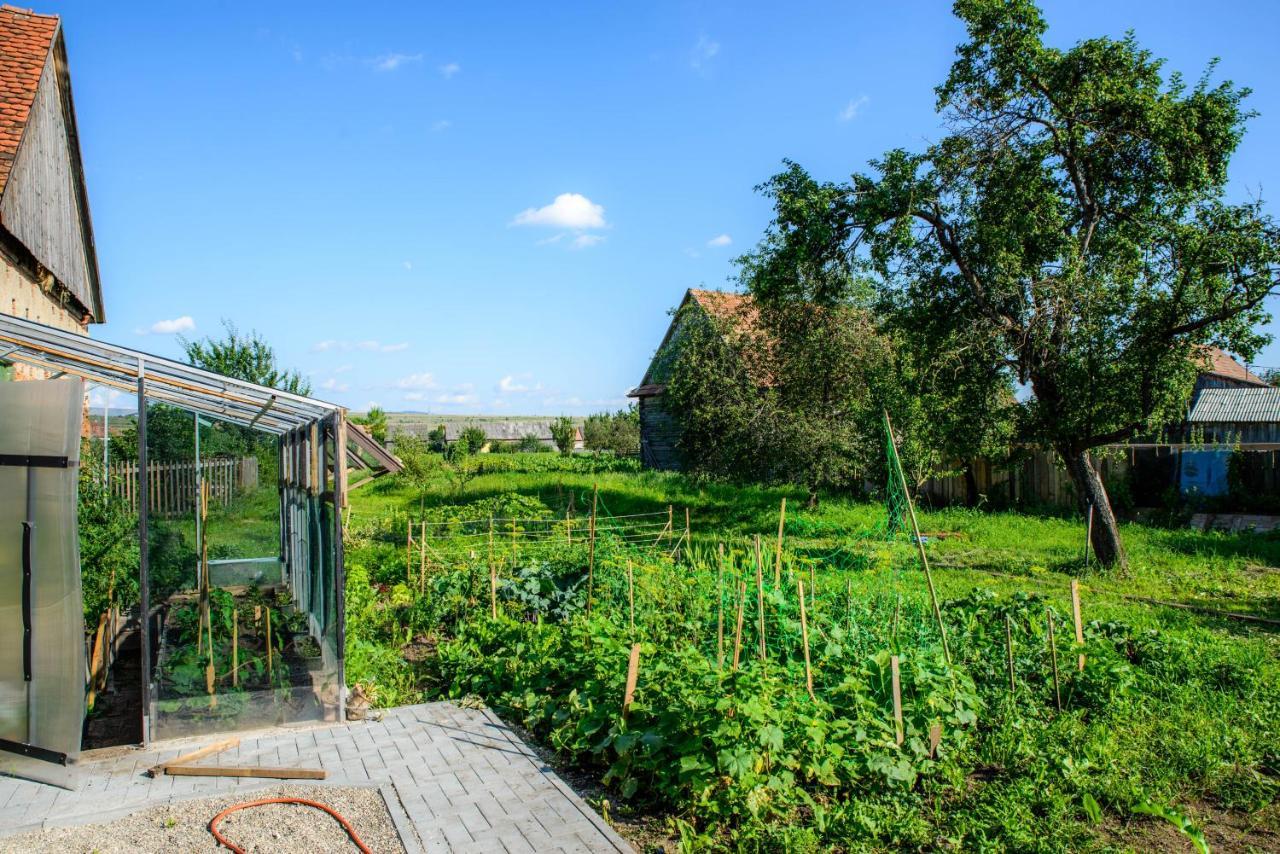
(449, 69)
(333, 384)
(586, 241)
(851, 109)
(720, 240)
(408, 265)
(169, 327)
(392, 61)
(518, 384)
(703, 52)
(422, 380)
(369, 346)
(441, 125)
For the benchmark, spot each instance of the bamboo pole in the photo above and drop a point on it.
(737, 635)
(633, 673)
(408, 550)
(422, 559)
(915, 530)
(899, 734)
(777, 558)
(1053, 653)
(1075, 616)
(568, 528)
(804, 636)
(720, 611)
(591, 548)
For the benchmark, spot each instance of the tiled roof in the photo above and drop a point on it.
(25, 39)
(1223, 365)
(1236, 406)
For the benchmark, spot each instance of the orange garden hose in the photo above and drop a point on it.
(346, 825)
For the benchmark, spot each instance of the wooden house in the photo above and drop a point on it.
(659, 429)
(48, 265)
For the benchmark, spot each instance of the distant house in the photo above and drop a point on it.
(48, 264)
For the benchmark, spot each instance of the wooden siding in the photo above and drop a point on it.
(659, 434)
(41, 206)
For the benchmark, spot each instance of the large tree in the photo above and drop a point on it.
(1075, 215)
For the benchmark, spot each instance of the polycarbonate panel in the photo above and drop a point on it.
(41, 419)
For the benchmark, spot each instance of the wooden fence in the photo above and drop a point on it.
(1145, 472)
(172, 486)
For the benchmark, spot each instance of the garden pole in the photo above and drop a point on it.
(897, 700)
(591, 548)
(633, 673)
(408, 550)
(915, 530)
(1075, 616)
(514, 555)
(777, 557)
(1053, 652)
(267, 617)
(568, 528)
(804, 637)
(720, 611)
(235, 647)
(1088, 534)
(422, 559)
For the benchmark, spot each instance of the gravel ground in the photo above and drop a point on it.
(283, 828)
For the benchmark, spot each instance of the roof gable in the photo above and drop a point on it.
(1222, 364)
(43, 201)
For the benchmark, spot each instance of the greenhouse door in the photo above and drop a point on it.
(42, 657)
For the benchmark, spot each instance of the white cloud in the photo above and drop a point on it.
(851, 109)
(692, 253)
(720, 240)
(441, 125)
(417, 381)
(172, 327)
(703, 52)
(583, 241)
(517, 384)
(455, 398)
(408, 265)
(449, 69)
(342, 369)
(332, 384)
(414, 395)
(371, 346)
(569, 210)
(392, 61)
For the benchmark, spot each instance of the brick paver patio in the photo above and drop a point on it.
(454, 780)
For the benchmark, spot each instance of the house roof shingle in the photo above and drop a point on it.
(1222, 364)
(25, 41)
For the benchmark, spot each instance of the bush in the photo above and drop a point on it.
(562, 431)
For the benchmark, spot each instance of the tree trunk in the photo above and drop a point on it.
(970, 485)
(1090, 491)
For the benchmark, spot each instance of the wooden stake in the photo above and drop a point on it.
(737, 635)
(209, 750)
(1075, 616)
(1053, 653)
(1008, 644)
(234, 771)
(631, 596)
(408, 551)
(915, 530)
(804, 636)
(777, 555)
(568, 528)
(897, 700)
(720, 612)
(935, 738)
(235, 647)
(591, 548)
(633, 672)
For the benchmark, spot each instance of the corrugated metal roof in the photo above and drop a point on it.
(1236, 406)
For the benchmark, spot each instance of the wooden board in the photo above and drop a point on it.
(246, 771)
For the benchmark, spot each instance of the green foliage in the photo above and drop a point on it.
(244, 357)
(471, 440)
(108, 541)
(375, 422)
(564, 433)
(618, 432)
(438, 439)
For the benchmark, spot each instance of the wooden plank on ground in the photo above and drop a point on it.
(245, 771)
(193, 756)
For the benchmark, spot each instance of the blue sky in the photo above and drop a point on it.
(473, 207)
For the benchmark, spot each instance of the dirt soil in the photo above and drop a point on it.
(1227, 832)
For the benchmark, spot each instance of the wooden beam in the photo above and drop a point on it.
(246, 771)
(193, 756)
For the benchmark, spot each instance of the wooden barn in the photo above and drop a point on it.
(659, 430)
(48, 265)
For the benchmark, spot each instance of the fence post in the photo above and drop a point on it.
(591, 548)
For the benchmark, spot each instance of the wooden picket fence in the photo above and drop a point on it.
(172, 486)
